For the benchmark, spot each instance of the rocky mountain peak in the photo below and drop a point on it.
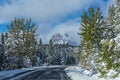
(62, 39)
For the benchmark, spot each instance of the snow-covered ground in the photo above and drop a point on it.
(76, 73)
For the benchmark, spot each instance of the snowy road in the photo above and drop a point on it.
(46, 73)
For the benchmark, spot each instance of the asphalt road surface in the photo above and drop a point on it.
(48, 74)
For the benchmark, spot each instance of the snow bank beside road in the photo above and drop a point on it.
(76, 73)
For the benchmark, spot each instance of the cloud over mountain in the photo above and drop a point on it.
(50, 15)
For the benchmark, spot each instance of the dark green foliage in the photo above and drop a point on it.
(59, 54)
(2, 57)
(109, 52)
(107, 57)
(91, 29)
(70, 60)
(40, 42)
(2, 50)
(100, 41)
(2, 39)
(113, 19)
(22, 40)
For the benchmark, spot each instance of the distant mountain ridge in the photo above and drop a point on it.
(62, 39)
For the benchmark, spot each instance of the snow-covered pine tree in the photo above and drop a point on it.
(21, 41)
(113, 19)
(90, 33)
(49, 52)
(2, 39)
(40, 53)
(109, 57)
(40, 43)
(2, 51)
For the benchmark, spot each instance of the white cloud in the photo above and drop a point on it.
(45, 12)
(70, 27)
(42, 10)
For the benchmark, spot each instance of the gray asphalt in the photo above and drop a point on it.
(49, 74)
(41, 73)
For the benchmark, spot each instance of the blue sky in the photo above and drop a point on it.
(51, 16)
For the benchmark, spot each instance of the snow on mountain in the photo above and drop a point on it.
(62, 39)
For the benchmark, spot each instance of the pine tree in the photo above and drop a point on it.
(100, 44)
(2, 39)
(40, 53)
(90, 33)
(109, 57)
(22, 40)
(3, 48)
(40, 43)
(50, 52)
(2, 51)
(113, 19)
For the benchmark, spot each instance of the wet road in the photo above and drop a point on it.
(48, 74)
(40, 73)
